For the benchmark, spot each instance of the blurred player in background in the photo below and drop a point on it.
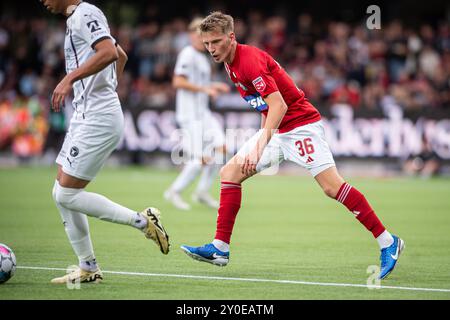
(94, 64)
(426, 164)
(291, 129)
(203, 136)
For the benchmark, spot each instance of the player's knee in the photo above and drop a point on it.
(330, 191)
(61, 198)
(221, 150)
(223, 172)
(65, 197)
(231, 173)
(197, 166)
(194, 165)
(227, 173)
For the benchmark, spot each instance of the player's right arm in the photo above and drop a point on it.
(184, 67)
(89, 25)
(105, 54)
(181, 82)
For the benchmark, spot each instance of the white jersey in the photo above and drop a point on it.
(195, 66)
(96, 94)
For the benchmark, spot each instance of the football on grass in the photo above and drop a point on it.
(7, 263)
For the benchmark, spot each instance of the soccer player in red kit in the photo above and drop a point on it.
(291, 129)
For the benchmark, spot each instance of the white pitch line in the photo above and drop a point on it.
(186, 276)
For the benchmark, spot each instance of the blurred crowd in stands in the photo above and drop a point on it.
(334, 62)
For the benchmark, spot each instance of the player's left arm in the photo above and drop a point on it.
(105, 54)
(277, 110)
(123, 58)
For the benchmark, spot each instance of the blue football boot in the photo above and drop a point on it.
(389, 256)
(208, 253)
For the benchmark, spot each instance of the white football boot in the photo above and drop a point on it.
(176, 200)
(80, 276)
(206, 199)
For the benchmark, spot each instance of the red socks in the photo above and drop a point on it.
(230, 202)
(358, 205)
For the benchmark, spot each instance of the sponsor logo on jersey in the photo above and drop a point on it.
(93, 26)
(259, 84)
(256, 101)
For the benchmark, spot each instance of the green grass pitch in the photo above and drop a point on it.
(286, 230)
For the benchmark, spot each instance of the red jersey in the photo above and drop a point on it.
(256, 75)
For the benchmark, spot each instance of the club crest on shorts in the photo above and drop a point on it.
(259, 84)
(74, 151)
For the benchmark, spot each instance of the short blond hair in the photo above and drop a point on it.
(195, 24)
(217, 21)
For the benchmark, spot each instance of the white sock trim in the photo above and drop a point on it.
(89, 265)
(385, 239)
(222, 246)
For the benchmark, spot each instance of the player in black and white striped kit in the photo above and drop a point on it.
(94, 64)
